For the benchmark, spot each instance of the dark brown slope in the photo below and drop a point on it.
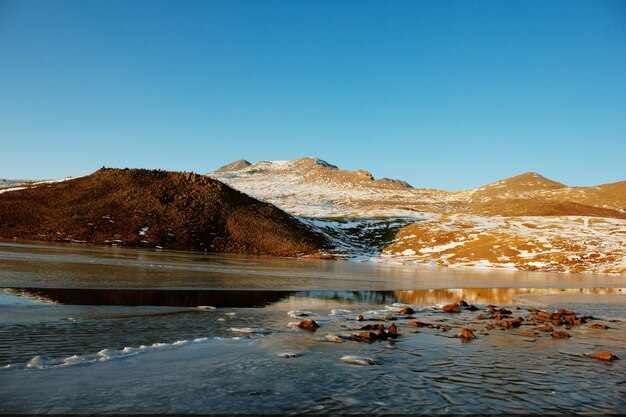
(180, 211)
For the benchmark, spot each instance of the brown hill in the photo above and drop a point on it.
(234, 166)
(529, 183)
(138, 207)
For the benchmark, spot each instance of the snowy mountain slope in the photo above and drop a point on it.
(585, 226)
(314, 188)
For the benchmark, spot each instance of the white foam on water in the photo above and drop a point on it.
(357, 360)
(331, 338)
(288, 355)
(294, 314)
(206, 308)
(245, 330)
(339, 311)
(104, 355)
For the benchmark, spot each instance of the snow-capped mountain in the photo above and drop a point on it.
(524, 222)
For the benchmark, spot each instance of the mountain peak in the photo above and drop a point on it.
(309, 161)
(237, 165)
(530, 180)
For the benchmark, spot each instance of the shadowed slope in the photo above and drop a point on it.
(154, 208)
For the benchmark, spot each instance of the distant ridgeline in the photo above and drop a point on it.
(153, 208)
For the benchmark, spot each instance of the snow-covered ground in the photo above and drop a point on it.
(15, 185)
(546, 243)
(355, 211)
(310, 187)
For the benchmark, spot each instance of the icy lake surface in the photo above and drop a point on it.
(114, 330)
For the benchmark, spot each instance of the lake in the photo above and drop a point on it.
(88, 329)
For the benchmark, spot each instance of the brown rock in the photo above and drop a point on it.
(378, 327)
(504, 311)
(545, 314)
(557, 322)
(516, 322)
(604, 356)
(462, 303)
(490, 326)
(526, 334)
(547, 328)
(598, 326)
(406, 310)
(472, 308)
(451, 308)
(359, 317)
(393, 331)
(560, 335)
(391, 318)
(367, 336)
(571, 319)
(310, 325)
(418, 324)
(467, 334)
(564, 312)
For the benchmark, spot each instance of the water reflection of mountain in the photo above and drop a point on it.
(371, 297)
(260, 298)
(494, 296)
(152, 297)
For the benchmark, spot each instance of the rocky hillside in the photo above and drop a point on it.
(524, 222)
(313, 187)
(154, 209)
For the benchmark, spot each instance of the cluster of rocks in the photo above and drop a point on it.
(374, 332)
(495, 317)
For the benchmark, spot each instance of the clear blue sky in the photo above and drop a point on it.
(446, 94)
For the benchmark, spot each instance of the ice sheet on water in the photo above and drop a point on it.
(246, 330)
(40, 362)
(357, 360)
(294, 314)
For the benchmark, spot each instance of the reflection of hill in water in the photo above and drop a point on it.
(494, 296)
(371, 297)
(261, 298)
(166, 298)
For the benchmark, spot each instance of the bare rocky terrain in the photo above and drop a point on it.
(172, 210)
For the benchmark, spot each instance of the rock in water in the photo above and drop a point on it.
(467, 334)
(393, 331)
(367, 336)
(310, 325)
(451, 308)
(547, 328)
(406, 310)
(560, 335)
(603, 356)
(598, 326)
